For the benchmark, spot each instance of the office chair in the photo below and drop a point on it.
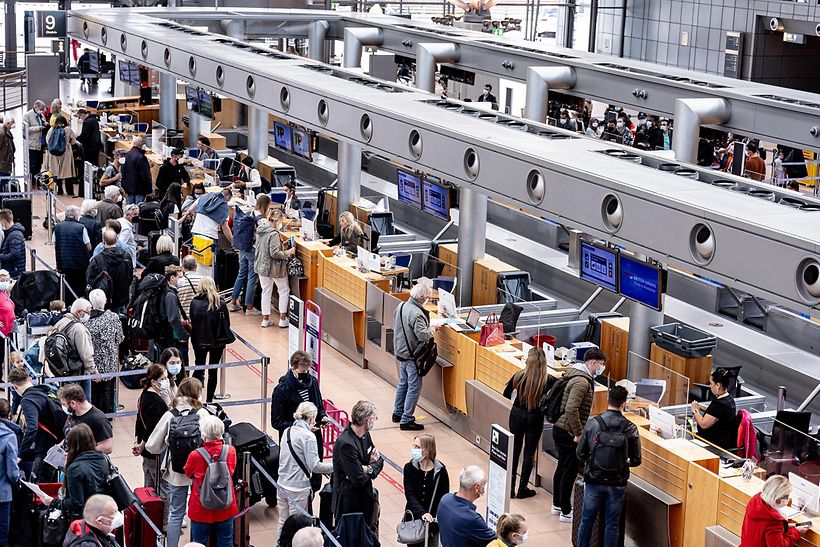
(125, 118)
(403, 260)
(445, 282)
(734, 388)
(141, 127)
(382, 223)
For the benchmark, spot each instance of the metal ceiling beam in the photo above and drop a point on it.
(765, 248)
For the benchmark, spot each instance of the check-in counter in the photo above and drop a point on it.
(485, 273)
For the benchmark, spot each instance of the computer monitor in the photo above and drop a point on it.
(124, 71)
(93, 61)
(206, 104)
(446, 304)
(192, 98)
(382, 223)
(134, 75)
(473, 318)
(193, 153)
(409, 188)
(301, 144)
(307, 230)
(435, 198)
(282, 136)
(278, 198)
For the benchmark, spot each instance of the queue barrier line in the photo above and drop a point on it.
(387, 460)
(35, 257)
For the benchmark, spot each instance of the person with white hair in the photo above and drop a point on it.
(74, 326)
(459, 523)
(72, 249)
(108, 207)
(126, 237)
(308, 537)
(37, 127)
(136, 173)
(412, 330)
(6, 150)
(106, 332)
(96, 529)
(112, 270)
(112, 176)
(55, 111)
(88, 218)
(298, 461)
(163, 256)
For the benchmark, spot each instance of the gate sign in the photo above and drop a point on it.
(296, 312)
(313, 335)
(51, 24)
(499, 479)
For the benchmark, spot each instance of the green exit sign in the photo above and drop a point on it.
(498, 31)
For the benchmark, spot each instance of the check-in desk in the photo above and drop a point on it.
(485, 273)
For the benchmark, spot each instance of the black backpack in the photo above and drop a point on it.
(550, 403)
(146, 317)
(62, 356)
(53, 425)
(183, 437)
(607, 461)
(102, 282)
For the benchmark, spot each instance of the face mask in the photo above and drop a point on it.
(595, 126)
(122, 161)
(174, 368)
(524, 537)
(599, 372)
(4, 285)
(165, 384)
(304, 376)
(619, 125)
(416, 454)
(84, 319)
(664, 128)
(480, 494)
(118, 520)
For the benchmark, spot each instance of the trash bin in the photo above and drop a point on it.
(539, 339)
(683, 340)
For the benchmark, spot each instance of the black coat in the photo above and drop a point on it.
(352, 488)
(209, 327)
(136, 173)
(13, 250)
(158, 262)
(120, 268)
(37, 410)
(286, 398)
(169, 174)
(93, 227)
(86, 475)
(419, 503)
(89, 137)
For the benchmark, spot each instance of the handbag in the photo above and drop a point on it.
(492, 332)
(295, 267)
(425, 354)
(54, 526)
(224, 335)
(315, 478)
(118, 488)
(415, 530)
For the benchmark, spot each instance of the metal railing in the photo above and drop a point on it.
(12, 88)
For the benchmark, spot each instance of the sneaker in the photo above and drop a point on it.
(284, 323)
(525, 493)
(234, 307)
(555, 511)
(566, 518)
(411, 426)
(396, 418)
(266, 323)
(253, 312)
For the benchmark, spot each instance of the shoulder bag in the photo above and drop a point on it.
(315, 478)
(415, 530)
(425, 354)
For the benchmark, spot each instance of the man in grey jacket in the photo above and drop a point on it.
(73, 326)
(412, 328)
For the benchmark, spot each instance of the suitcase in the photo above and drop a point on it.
(326, 506)
(242, 521)
(227, 269)
(597, 537)
(136, 530)
(21, 208)
(260, 486)
(248, 438)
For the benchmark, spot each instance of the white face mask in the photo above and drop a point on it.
(121, 161)
(84, 318)
(416, 454)
(117, 520)
(524, 537)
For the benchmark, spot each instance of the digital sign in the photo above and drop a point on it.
(435, 199)
(51, 24)
(206, 104)
(409, 189)
(281, 135)
(301, 144)
(641, 282)
(599, 266)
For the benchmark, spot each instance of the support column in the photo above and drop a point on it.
(690, 114)
(317, 48)
(641, 318)
(349, 185)
(472, 239)
(355, 39)
(167, 100)
(428, 56)
(10, 23)
(194, 128)
(257, 133)
(540, 79)
(233, 28)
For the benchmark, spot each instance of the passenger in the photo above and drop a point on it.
(172, 172)
(175, 323)
(54, 112)
(308, 537)
(88, 218)
(9, 472)
(73, 326)
(61, 165)
(13, 247)
(151, 406)
(188, 285)
(72, 250)
(296, 386)
(356, 462)
(622, 130)
(112, 175)
(350, 236)
(210, 331)
(412, 329)
(246, 279)
(575, 407)
(718, 423)
(6, 151)
(136, 173)
(593, 128)
(174, 490)
(107, 207)
(6, 308)
(203, 143)
(270, 264)
(171, 359)
(292, 525)
(198, 190)
(511, 529)
(204, 521)
(5, 419)
(755, 167)
(86, 472)
(763, 525)
(100, 519)
(164, 256)
(170, 205)
(37, 127)
(459, 523)
(526, 419)
(298, 461)
(126, 237)
(106, 332)
(89, 136)
(80, 411)
(116, 263)
(425, 483)
(42, 425)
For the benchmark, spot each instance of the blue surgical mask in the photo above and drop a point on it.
(416, 454)
(174, 368)
(599, 371)
(4, 285)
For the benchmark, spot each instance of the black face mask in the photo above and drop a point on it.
(304, 376)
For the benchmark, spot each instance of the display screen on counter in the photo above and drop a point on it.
(435, 199)
(409, 189)
(599, 266)
(282, 137)
(641, 282)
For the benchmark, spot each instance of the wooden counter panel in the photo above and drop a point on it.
(448, 253)
(446, 342)
(493, 369)
(733, 495)
(463, 370)
(700, 510)
(485, 279)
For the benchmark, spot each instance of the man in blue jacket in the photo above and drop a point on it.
(458, 522)
(13, 250)
(43, 429)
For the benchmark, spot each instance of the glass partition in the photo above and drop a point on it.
(655, 383)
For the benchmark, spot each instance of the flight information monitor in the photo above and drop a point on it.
(192, 98)
(409, 188)
(435, 199)
(281, 134)
(124, 70)
(206, 104)
(641, 282)
(134, 78)
(599, 266)
(301, 143)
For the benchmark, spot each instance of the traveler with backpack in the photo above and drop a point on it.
(96, 529)
(174, 323)
(576, 391)
(244, 240)
(88, 218)
(526, 419)
(106, 332)
(188, 284)
(81, 411)
(164, 256)
(13, 248)
(609, 446)
(271, 265)
(69, 349)
(174, 438)
(59, 158)
(212, 505)
(136, 173)
(44, 422)
(210, 331)
(151, 406)
(72, 250)
(113, 272)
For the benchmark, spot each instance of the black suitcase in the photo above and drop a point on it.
(21, 208)
(597, 537)
(242, 521)
(261, 487)
(248, 438)
(227, 269)
(326, 506)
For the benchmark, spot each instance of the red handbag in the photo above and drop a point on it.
(492, 332)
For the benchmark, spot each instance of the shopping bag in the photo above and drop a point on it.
(492, 332)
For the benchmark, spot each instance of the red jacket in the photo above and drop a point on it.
(6, 313)
(195, 468)
(763, 526)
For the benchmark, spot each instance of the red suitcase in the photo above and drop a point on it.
(242, 520)
(136, 529)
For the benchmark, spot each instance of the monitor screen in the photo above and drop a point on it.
(640, 281)
(409, 189)
(124, 69)
(301, 143)
(599, 266)
(206, 104)
(93, 61)
(435, 199)
(281, 133)
(192, 98)
(134, 78)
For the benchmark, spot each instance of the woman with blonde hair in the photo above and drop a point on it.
(511, 529)
(526, 419)
(210, 331)
(763, 525)
(425, 483)
(271, 264)
(350, 234)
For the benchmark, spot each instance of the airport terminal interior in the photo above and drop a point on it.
(621, 190)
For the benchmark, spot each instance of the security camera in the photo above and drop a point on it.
(776, 25)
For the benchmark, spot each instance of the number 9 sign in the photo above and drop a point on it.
(51, 24)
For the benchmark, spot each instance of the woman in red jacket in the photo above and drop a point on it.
(204, 520)
(763, 525)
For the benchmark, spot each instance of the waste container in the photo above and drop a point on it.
(683, 340)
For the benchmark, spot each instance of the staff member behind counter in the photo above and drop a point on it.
(172, 171)
(763, 525)
(718, 424)
(350, 235)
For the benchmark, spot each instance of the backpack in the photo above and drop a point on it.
(607, 461)
(550, 403)
(55, 426)
(147, 310)
(216, 489)
(57, 142)
(244, 230)
(61, 355)
(183, 437)
(102, 282)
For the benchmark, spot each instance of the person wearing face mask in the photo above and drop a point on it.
(296, 386)
(108, 208)
(605, 486)
(575, 407)
(622, 130)
(763, 525)
(210, 331)
(425, 483)
(37, 127)
(593, 128)
(356, 462)
(106, 332)
(666, 133)
(175, 321)
(459, 523)
(13, 248)
(717, 424)
(511, 529)
(610, 133)
(487, 96)
(564, 121)
(152, 404)
(271, 265)
(81, 411)
(171, 359)
(298, 460)
(100, 519)
(172, 171)
(73, 325)
(112, 176)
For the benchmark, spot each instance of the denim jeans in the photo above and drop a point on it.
(136, 199)
(246, 278)
(86, 385)
(223, 532)
(408, 391)
(611, 498)
(178, 502)
(5, 518)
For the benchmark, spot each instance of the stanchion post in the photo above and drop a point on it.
(33, 255)
(50, 217)
(62, 287)
(265, 361)
(7, 364)
(222, 379)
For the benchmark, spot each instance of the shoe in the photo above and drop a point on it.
(512, 494)
(266, 323)
(283, 323)
(411, 426)
(252, 312)
(396, 418)
(555, 511)
(234, 307)
(566, 518)
(525, 493)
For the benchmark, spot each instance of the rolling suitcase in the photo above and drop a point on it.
(326, 506)
(248, 438)
(227, 269)
(597, 537)
(21, 208)
(242, 521)
(137, 531)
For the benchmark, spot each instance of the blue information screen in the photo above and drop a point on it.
(206, 104)
(436, 199)
(641, 282)
(599, 266)
(281, 134)
(301, 143)
(409, 189)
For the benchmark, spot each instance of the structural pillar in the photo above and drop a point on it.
(317, 47)
(428, 56)
(349, 185)
(194, 128)
(257, 133)
(167, 100)
(690, 114)
(472, 240)
(10, 23)
(540, 79)
(641, 318)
